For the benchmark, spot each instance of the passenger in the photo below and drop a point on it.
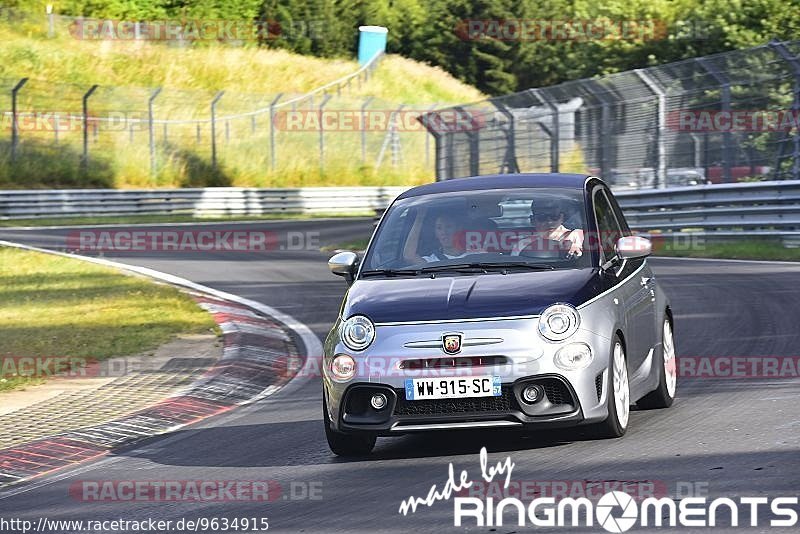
(547, 218)
(446, 229)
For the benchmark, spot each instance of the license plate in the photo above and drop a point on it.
(453, 388)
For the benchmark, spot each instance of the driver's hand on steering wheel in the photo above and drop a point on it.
(575, 240)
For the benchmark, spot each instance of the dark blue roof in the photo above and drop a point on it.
(499, 181)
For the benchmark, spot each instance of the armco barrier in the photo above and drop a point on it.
(211, 201)
(722, 211)
(717, 211)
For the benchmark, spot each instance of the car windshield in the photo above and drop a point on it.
(485, 230)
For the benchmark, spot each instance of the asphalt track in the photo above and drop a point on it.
(735, 437)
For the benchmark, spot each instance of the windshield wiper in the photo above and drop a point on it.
(488, 266)
(390, 272)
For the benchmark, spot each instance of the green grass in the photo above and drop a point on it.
(63, 68)
(243, 71)
(360, 244)
(158, 219)
(57, 307)
(762, 249)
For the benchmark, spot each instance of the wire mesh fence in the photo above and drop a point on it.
(153, 136)
(722, 118)
(87, 135)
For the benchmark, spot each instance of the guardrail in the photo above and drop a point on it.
(211, 201)
(714, 211)
(722, 211)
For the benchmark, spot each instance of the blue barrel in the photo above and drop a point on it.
(371, 41)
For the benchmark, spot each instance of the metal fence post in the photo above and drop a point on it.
(14, 124)
(151, 132)
(794, 62)
(661, 152)
(364, 128)
(396, 137)
(214, 128)
(435, 129)
(51, 23)
(509, 164)
(463, 117)
(604, 145)
(272, 154)
(428, 138)
(555, 132)
(322, 136)
(85, 156)
(725, 107)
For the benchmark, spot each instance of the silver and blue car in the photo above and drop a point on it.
(507, 301)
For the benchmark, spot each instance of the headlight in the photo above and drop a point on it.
(574, 356)
(559, 321)
(343, 367)
(357, 332)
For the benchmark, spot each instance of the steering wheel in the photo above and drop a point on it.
(550, 249)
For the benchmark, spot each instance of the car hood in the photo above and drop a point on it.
(468, 297)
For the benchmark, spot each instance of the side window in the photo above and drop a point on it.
(607, 224)
(626, 230)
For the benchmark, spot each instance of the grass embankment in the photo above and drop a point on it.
(63, 68)
(353, 246)
(56, 309)
(762, 249)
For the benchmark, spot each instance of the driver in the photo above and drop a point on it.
(547, 218)
(446, 228)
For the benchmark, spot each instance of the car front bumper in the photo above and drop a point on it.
(509, 348)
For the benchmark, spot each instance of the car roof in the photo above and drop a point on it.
(500, 181)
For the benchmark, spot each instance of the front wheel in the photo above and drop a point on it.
(619, 395)
(345, 444)
(664, 394)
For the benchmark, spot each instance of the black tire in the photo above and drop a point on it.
(343, 444)
(661, 397)
(612, 427)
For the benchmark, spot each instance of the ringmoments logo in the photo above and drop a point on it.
(618, 511)
(615, 511)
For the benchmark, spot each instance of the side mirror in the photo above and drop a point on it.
(632, 247)
(343, 264)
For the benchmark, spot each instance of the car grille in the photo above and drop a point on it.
(504, 403)
(459, 362)
(556, 391)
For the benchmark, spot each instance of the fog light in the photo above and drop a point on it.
(378, 401)
(532, 394)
